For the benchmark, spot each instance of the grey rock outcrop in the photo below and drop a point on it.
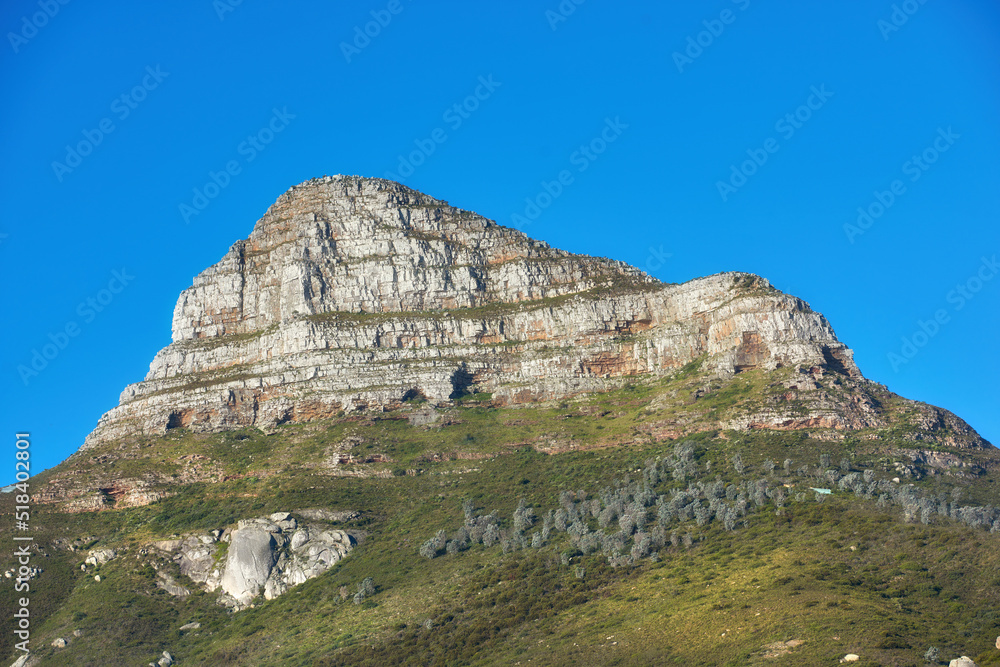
(964, 661)
(165, 581)
(423, 417)
(197, 559)
(334, 516)
(264, 556)
(100, 556)
(359, 293)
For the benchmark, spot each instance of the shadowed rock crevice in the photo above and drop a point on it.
(461, 383)
(838, 362)
(414, 394)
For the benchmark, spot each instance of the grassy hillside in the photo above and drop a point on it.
(744, 556)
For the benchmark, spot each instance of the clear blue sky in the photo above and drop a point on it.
(182, 86)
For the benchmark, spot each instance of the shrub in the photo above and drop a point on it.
(491, 535)
(428, 549)
(738, 465)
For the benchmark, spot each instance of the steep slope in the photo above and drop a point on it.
(627, 555)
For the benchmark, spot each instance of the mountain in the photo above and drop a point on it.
(359, 294)
(346, 282)
(354, 388)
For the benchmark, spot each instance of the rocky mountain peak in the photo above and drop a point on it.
(367, 245)
(358, 294)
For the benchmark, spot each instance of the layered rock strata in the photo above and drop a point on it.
(354, 293)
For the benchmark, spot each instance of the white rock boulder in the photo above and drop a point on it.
(100, 556)
(252, 555)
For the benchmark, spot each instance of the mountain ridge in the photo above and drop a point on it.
(356, 294)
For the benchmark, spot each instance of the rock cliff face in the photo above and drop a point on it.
(358, 294)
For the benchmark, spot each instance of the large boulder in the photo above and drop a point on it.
(964, 661)
(313, 552)
(321, 514)
(100, 556)
(252, 555)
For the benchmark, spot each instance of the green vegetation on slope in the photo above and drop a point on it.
(843, 575)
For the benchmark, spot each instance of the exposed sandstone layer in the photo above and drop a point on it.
(357, 294)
